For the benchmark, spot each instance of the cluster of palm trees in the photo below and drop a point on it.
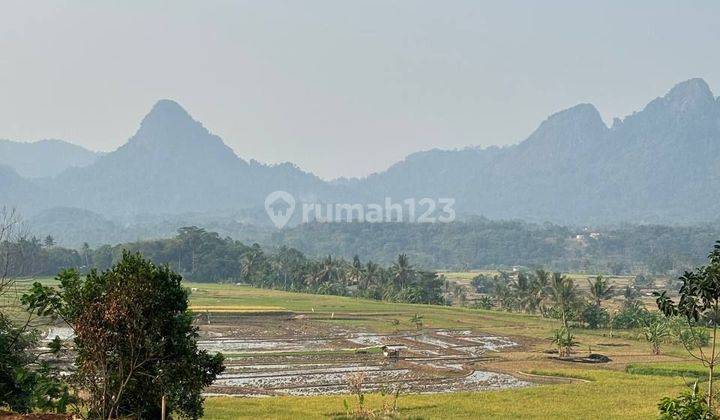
(550, 294)
(289, 269)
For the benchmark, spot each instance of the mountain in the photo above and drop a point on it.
(44, 158)
(172, 165)
(661, 164)
(658, 165)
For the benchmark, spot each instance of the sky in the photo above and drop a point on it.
(341, 88)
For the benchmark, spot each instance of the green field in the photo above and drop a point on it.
(628, 387)
(608, 391)
(607, 395)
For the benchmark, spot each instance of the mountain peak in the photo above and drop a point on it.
(567, 129)
(689, 93)
(578, 118)
(169, 125)
(166, 111)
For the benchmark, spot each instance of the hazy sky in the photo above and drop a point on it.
(341, 87)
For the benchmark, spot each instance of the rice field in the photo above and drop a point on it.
(296, 351)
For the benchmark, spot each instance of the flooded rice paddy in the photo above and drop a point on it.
(429, 361)
(304, 359)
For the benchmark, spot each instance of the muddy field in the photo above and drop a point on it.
(268, 355)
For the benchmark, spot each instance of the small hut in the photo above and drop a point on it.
(392, 351)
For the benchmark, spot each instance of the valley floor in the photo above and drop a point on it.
(559, 389)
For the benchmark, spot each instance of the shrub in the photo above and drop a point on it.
(634, 315)
(595, 316)
(564, 340)
(484, 302)
(686, 407)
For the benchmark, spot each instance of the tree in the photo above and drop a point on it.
(86, 254)
(655, 332)
(355, 272)
(134, 339)
(600, 290)
(523, 291)
(564, 340)
(402, 272)
(26, 382)
(563, 293)
(630, 296)
(699, 299)
(49, 241)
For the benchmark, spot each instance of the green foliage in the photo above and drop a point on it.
(632, 315)
(564, 340)
(595, 316)
(688, 406)
(483, 302)
(699, 300)
(600, 290)
(134, 339)
(25, 383)
(656, 332)
(483, 283)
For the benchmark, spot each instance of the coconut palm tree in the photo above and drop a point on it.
(522, 289)
(540, 286)
(600, 290)
(402, 272)
(355, 272)
(563, 294)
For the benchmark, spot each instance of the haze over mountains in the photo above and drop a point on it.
(661, 164)
(44, 158)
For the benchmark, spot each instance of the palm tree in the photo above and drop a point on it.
(86, 253)
(522, 289)
(371, 275)
(630, 295)
(329, 272)
(600, 290)
(459, 293)
(540, 285)
(355, 272)
(503, 295)
(251, 262)
(563, 293)
(402, 272)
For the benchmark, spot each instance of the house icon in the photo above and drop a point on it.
(280, 207)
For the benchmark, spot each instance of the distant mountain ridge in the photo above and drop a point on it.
(658, 165)
(661, 164)
(44, 158)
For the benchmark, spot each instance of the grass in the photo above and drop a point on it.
(608, 395)
(681, 369)
(628, 387)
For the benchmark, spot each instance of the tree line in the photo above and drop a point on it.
(203, 256)
(478, 243)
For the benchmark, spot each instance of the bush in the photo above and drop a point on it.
(634, 315)
(483, 283)
(695, 337)
(691, 406)
(484, 302)
(25, 384)
(595, 316)
(564, 340)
